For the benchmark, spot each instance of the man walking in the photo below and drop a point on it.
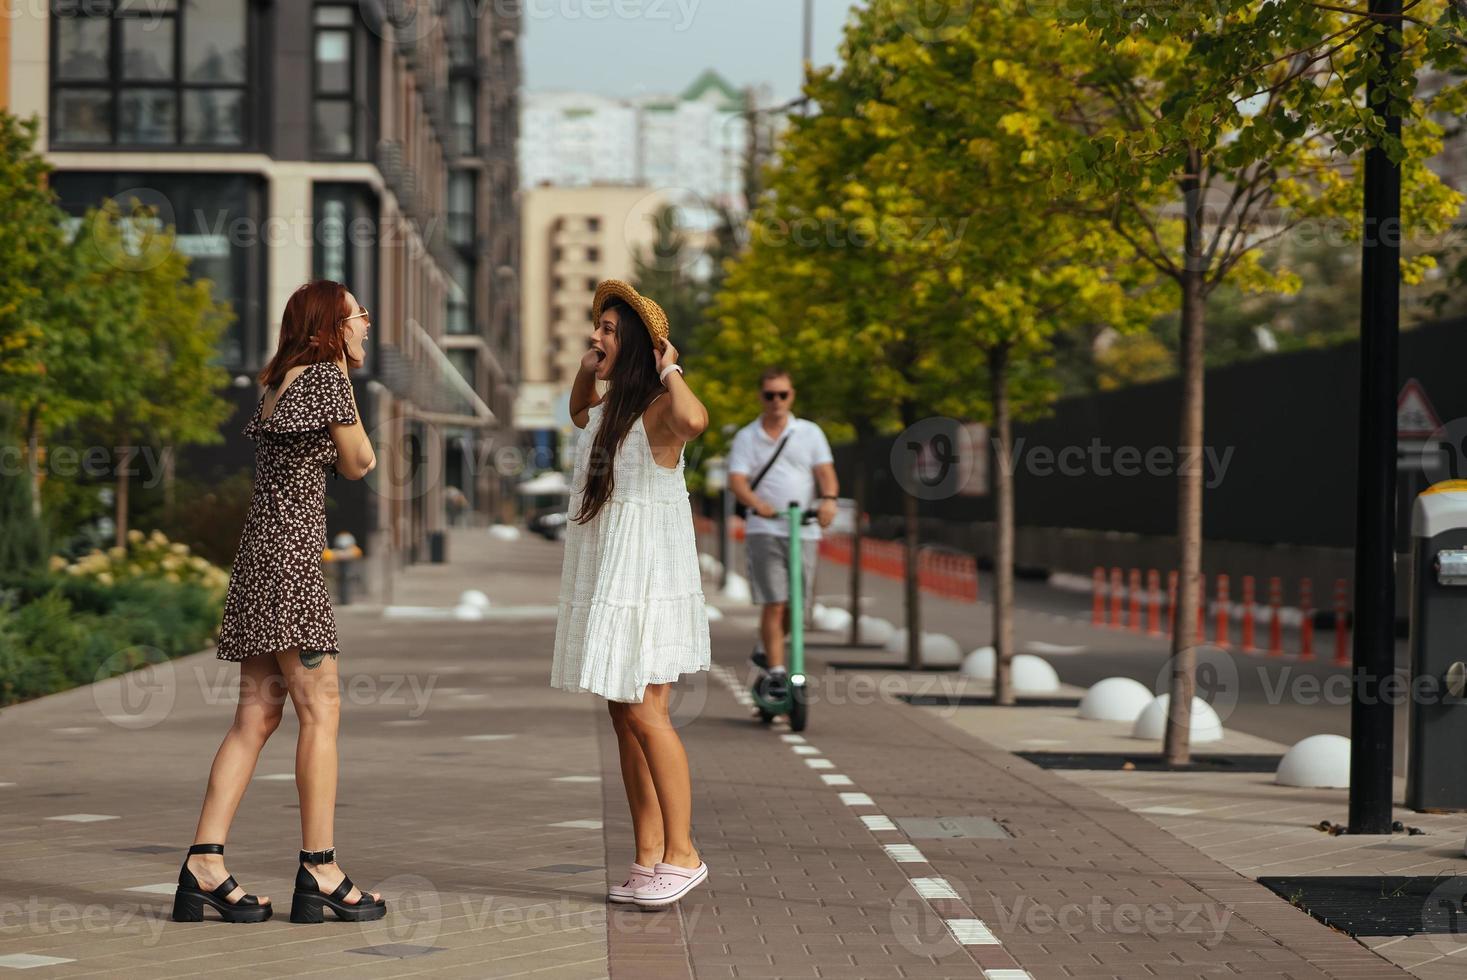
(776, 459)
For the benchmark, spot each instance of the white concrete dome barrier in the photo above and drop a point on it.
(873, 629)
(1319, 762)
(979, 664)
(736, 588)
(1033, 675)
(1115, 699)
(940, 650)
(832, 619)
(714, 613)
(897, 641)
(1151, 723)
(473, 597)
(504, 532)
(465, 610)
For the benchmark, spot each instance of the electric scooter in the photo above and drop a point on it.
(795, 703)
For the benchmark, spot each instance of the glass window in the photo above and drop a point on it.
(213, 117)
(81, 48)
(332, 123)
(464, 106)
(151, 72)
(333, 61)
(147, 49)
(214, 39)
(146, 115)
(83, 116)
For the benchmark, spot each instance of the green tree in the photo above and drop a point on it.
(1201, 132)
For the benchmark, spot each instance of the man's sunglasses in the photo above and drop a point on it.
(770, 396)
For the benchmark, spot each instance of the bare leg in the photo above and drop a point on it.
(257, 715)
(772, 620)
(316, 694)
(641, 793)
(668, 764)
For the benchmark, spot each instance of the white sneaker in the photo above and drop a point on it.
(669, 883)
(639, 875)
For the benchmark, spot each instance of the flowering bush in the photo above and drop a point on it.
(146, 557)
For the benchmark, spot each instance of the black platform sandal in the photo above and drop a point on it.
(309, 902)
(190, 899)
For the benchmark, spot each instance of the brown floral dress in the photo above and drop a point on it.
(277, 597)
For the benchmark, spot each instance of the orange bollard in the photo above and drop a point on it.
(1248, 646)
(1306, 620)
(1171, 603)
(1153, 606)
(1342, 632)
(1115, 598)
(1097, 602)
(1222, 611)
(1135, 590)
(1275, 625)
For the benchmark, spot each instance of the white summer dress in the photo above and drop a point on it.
(632, 611)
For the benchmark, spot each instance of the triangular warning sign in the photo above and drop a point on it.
(1415, 418)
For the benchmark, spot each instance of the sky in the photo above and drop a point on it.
(639, 47)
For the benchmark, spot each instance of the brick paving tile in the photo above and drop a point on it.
(460, 831)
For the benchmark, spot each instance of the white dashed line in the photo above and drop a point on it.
(904, 853)
(877, 821)
(836, 779)
(972, 932)
(820, 763)
(932, 887)
(856, 799)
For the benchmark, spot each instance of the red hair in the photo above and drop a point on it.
(311, 329)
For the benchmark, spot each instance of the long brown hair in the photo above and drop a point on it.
(311, 329)
(634, 383)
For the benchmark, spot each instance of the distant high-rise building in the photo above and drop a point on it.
(694, 142)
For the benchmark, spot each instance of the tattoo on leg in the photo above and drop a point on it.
(311, 659)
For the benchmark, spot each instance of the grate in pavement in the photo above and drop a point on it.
(399, 950)
(148, 849)
(898, 665)
(566, 869)
(1148, 762)
(964, 700)
(937, 827)
(1388, 905)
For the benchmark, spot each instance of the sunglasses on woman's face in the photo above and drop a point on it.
(361, 314)
(784, 395)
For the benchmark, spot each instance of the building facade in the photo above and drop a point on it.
(369, 141)
(574, 237)
(694, 142)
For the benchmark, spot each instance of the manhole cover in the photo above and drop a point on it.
(936, 827)
(1380, 905)
(966, 700)
(1150, 762)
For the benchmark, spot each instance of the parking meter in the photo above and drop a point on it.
(1436, 777)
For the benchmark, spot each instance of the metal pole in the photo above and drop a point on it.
(1372, 725)
(807, 48)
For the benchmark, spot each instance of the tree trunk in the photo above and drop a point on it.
(1003, 559)
(913, 593)
(1178, 746)
(121, 516)
(33, 457)
(170, 481)
(858, 493)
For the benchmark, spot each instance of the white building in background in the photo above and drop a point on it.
(694, 141)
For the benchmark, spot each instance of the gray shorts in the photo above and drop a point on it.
(769, 574)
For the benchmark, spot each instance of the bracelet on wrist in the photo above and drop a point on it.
(662, 375)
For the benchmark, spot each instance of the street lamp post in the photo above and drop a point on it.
(1372, 725)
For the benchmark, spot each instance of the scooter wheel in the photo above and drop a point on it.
(799, 712)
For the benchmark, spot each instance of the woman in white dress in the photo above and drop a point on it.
(632, 616)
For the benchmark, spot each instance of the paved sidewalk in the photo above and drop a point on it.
(488, 809)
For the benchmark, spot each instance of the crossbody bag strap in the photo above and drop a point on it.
(777, 450)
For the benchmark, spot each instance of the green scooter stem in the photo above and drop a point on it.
(796, 652)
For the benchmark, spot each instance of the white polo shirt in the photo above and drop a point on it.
(792, 477)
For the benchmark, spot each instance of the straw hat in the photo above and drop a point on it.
(649, 311)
